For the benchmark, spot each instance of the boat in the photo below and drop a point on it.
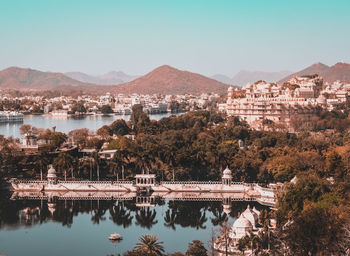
(115, 237)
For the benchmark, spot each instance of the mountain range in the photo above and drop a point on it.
(243, 77)
(164, 80)
(110, 78)
(339, 71)
(30, 79)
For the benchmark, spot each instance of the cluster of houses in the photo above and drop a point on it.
(10, 116)
(63, 106)
(31, 144)
(280, 102)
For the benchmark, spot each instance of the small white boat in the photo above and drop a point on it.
(115, 236)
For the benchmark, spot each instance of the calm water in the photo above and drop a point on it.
(64, 124)
(34, 227)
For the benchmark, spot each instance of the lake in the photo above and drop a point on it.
(82, 227)
(64, 124)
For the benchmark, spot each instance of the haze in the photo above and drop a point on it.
(206, 37)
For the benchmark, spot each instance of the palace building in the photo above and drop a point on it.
(274, 103)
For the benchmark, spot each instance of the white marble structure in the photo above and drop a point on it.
(246, 223)
(215, 189)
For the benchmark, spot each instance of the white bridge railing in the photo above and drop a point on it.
(189, 182)
(25, 181)
(102, 182)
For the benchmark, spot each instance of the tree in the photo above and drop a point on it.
(25, 129)
(150, 245)
(146, 218)
(53, 139)
(139, 119)
(224, 240)
(196, 248)
(79, 108)
(318, 230)
(64, 162)
(106, 109)
(42, 163)
(313, 219)
(97, 162)
(79, 136)
(105, 132)
(119, 127)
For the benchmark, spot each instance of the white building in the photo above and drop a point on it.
(245, 224)
(10, 116)
(279, 103)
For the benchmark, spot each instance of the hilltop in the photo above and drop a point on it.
(30, 79)
(110, 78)
(168, 80)
(339, 71)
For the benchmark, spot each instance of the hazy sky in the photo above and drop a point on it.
(207, 37)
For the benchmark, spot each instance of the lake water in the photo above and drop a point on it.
(82, 227)
(64, 124)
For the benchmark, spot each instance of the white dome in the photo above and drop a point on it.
(227, 171)
(51, 172)
(256, 211)
(251, 216)
(242, 222)
(321, 99)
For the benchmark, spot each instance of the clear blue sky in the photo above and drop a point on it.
(202, 36)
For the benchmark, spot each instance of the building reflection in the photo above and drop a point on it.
(144, 211)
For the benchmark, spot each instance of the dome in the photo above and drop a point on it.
(242, 222)
(51, 207)
(227, 171)
(256, 211)
(51, 172)
(251, 216)
(321, 99)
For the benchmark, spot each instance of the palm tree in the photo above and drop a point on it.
(146, 218)
(113, 167)
(120, 216)
(41, 163)
(119, 159)
(97, 161)
(219, 215)
(224, 240)
(170, 219)
(64, 162)
(150, 245)
(199, 221)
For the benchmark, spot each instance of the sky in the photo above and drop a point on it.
(202, 36)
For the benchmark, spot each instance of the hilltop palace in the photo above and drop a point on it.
(280, 103)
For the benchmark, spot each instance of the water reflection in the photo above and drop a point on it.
(82, 227)
(65, 124)
(125, 213)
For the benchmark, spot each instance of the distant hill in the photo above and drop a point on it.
(316, 68)
(29, 79)
(169, 80)
(243, 77)
(110, 78)
(222, 78)
(339, 71)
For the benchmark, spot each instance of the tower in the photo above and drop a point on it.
(51, 175)
(227, 177)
